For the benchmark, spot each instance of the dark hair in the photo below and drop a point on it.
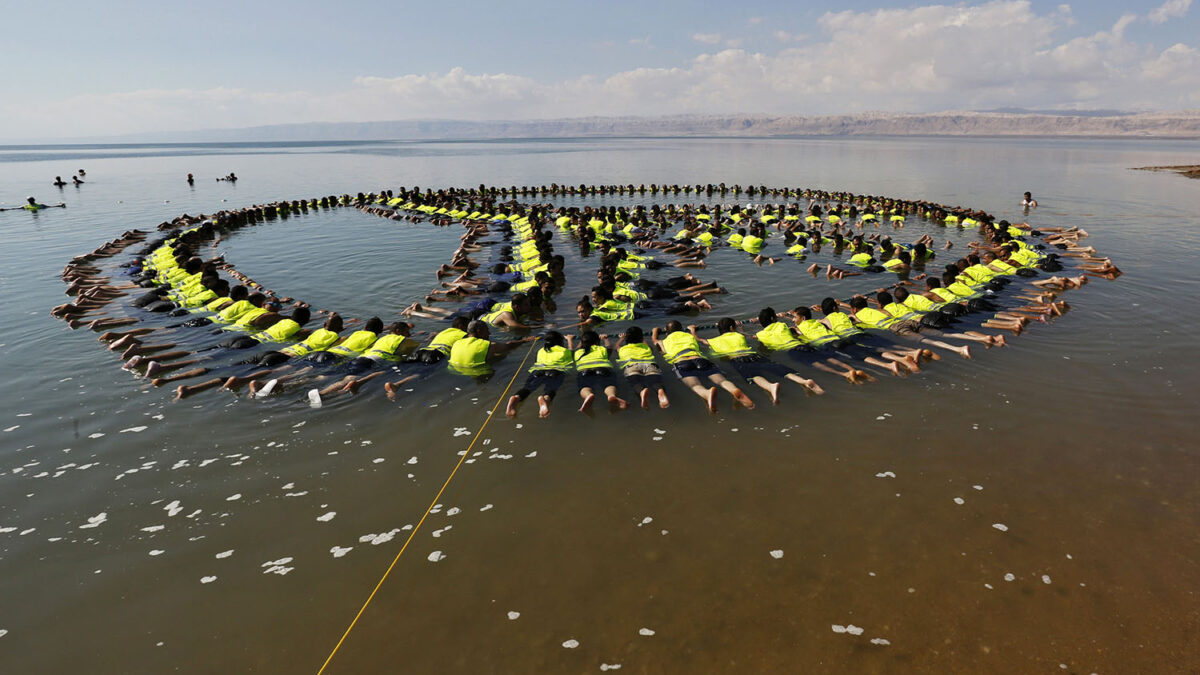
(589, 338)
(334, 323)
(726, 325)
(804, 312)
(829, 305)
(301, 315)
(858, 302)
(673, 326)
(374, 324)
(766, 316)
(634, 334)
(460, 322)
(553, 338)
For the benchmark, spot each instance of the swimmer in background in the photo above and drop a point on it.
(1028, 200)
(77, 181)
(59, 182)
(191, 180)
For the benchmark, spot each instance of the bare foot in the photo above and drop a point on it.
(510, 410)
(663, 401)
(391, 390)
(543, 407)
(711, 400)
(644, 399)
(587, 403)
(617, 403)
(741, 397)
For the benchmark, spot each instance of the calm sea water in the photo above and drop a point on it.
(232, 535)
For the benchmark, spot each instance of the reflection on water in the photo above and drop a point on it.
(1033, 507)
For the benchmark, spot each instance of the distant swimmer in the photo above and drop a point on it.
(191, 180)
(1028, 200)
(33, 205)
(77, 181)
(82, 172)
(59, 182)
(232, 177)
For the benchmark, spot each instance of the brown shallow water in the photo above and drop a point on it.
(1079, 440)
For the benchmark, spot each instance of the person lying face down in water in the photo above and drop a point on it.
(554, 359)
(473, 354)
(639, 368)
(682, 351)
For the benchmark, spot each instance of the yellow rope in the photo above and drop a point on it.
(433, 503)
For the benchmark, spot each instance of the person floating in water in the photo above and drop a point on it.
(232, 178)
(82, 172)
(1028, 200)
(77, 181)
(191, 180)
(59, 182)
(34, 205)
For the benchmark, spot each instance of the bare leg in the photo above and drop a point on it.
(186, 390)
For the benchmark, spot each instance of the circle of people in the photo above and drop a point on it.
(895, 330)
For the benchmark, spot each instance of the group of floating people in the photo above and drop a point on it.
(195, 312)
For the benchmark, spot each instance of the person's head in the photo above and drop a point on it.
(933, 282)
(478, 329)
(803, 313)
(373, 324)
(829, 306)
(858, 302)
(583, 308)
(1028, 196)
(901, 294)
(726, 325)
(673, 326)
(301, 315)
(634, 334)
(460, 322)
(904, 257)
(256, 299)
(520, 303)
(399, 328)
(948, 277)
(766, 316)
(553, 338)
(883, 298)
(589, 338)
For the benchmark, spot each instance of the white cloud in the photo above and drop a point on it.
(1171, 9)
(938, 57)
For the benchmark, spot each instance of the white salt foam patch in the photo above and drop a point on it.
(5, 530)
(461, 431)
(885, 474)
(157, 552)
(646, 521)
(95, 521)
(377, 460)
(656, 438)
(959, 501)
(486, 507)
(3, 632)
(1000, 526)
(645, 632)
(289, 486)
(233, 498)
(604, 667)
(513, 616)
(207, 580)
(1010, 577)
(977, 487)
(133, 430)
(314, 398)
(13, 428)
(96, 435)
(851, 629)
(153, 528)
(339, 551)
(296, 494)
(532, 454)
(1045, 578)
(777, 553)
(173, 508)
(571, 644)
(411, 460)
(438, 533)
(326, 517)
(453, 511)
(224, 554)
(436, 556)
(880, 641)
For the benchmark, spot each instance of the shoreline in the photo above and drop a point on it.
(1185, 170)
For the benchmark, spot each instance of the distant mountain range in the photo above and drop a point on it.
(1006, 122)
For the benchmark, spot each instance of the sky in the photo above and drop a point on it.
(80, 69)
